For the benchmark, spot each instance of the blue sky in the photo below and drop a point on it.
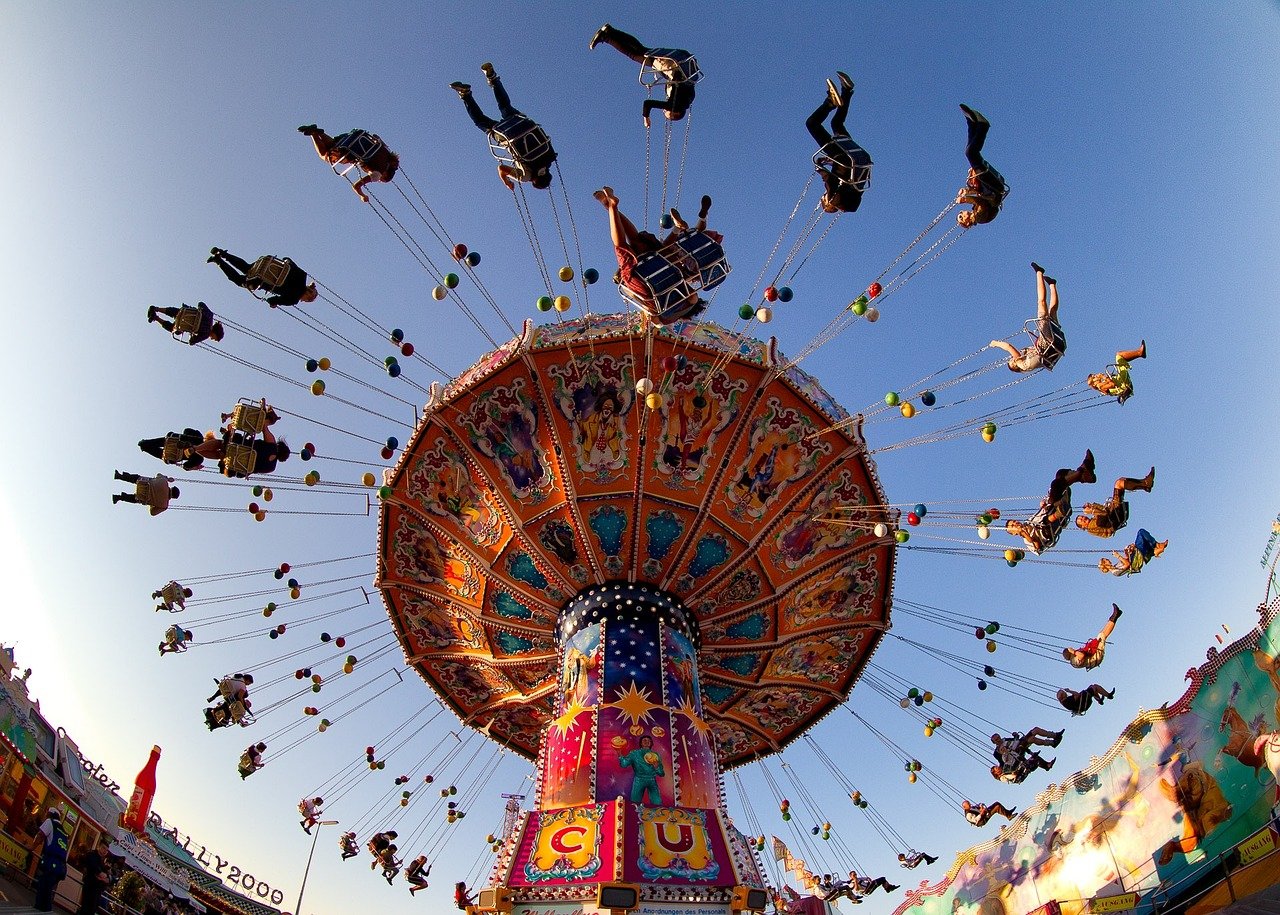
(1138, 146)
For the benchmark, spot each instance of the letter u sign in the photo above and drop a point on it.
(681, 843)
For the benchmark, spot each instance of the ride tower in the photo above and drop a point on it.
(610, 547)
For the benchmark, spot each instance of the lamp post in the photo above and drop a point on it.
(315, 835)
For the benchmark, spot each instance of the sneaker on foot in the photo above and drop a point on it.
(1036, 267)
(598, 36)
(1050, 281)
(114, 499)
(1142, 350)
(846, 81)
(151, 314)
(890, 887)
(1149, 481)
(487, 69)
(1057, 737)
(972, 115)
(705, 208)
(463, 89)
(833, 94)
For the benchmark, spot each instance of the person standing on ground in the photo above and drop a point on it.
(96, 877)
(53, 844)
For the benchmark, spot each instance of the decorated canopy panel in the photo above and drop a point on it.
(544, 469)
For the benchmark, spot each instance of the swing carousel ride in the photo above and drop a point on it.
(639, 549)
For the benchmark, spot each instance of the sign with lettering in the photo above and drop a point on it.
(1258, 845)
(566, 845)
(11, 853)
(1121, 903)
(233, 875)
(95, 772)
(674, 843)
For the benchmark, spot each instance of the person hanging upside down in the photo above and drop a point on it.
(291, 289)
(1091, 653)
(379, 165)
(535, 170)
(310, 808)
(175, 640)
(1077, 703)
(416, 874)
(461, 898)
(153, 492)
(172, 595)
(1119, 385)
(1103, 519)
(198, 323)
(1136, 555)
(911, 859)
(985, 190)
(251, 760)
(674, 66)
(1042, 529)
(1048, 343)
(980, 814)
(629, 244)
(347, 842)
(848, 170)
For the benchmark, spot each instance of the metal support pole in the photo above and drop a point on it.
(314, 836)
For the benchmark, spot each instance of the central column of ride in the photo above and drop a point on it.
(629, 786)
(628, 711)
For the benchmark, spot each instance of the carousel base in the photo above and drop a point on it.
(624, 857)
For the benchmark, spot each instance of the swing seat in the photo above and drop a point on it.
(519, 140)
(358, 148)
(669, 290)
(238, 714)
(248, 417)
(224, 715)
(669, 65)
(841, 152)
(1052, 346)
(172, 593)
(187, 321)
(266, 275)
(239, 460)
(174, 451)
(1046, 526)
(700, 258)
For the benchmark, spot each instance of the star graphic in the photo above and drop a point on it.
(634, 704)
(565, 723)
(695, 720)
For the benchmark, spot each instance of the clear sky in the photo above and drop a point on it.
(1137, 138)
